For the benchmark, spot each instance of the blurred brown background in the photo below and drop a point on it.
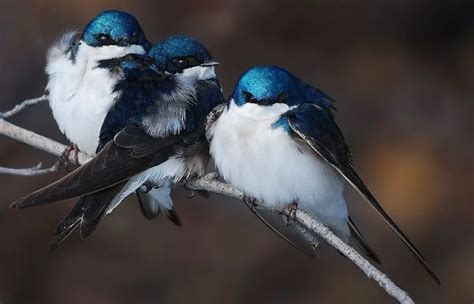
(402, 74)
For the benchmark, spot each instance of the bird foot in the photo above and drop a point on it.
(64, 159)
(290, 212)
(250, 201)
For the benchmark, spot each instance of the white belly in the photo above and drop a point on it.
(267, 164)
(81, 95)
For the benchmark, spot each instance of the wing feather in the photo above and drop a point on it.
(113, 165)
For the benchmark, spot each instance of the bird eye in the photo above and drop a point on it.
(104, 39)
(181, 62)
(249, 97)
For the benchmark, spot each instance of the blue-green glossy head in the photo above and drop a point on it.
(114, 27)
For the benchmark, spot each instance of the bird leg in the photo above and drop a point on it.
(65, 157)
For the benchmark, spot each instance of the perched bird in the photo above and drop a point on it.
(81, 92)
(152, 136)
(277, 141)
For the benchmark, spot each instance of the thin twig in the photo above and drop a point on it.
(36, 170)
(19, 107)
(210, 183)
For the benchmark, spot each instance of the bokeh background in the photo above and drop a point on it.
(402, 75)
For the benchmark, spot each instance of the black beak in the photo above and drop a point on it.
(209, 63)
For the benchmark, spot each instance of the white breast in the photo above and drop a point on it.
(81, 95)
(266, 163)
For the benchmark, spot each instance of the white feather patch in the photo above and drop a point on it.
(171, 119)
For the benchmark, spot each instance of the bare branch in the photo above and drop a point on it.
(19, 107)
(38, 141)
(36, 170)
(210, 183)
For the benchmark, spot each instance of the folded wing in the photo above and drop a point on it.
(131, 152)
(315, 125)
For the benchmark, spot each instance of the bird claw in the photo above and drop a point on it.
(290, 212)
(64, 159)
(250, 201)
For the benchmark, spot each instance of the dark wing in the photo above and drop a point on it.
(131, 152)
(97, 205)
(208, 95)
(316, 126)
(86, 215)
(139, 87)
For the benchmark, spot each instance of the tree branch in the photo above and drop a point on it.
(210, 183)
(39, 142)
(19, 107)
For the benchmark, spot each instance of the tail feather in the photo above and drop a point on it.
(158, 201)
(61, 237)
(149, 207)
(86, 215)
(172, 215)
(357, 237)
(67, 225)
